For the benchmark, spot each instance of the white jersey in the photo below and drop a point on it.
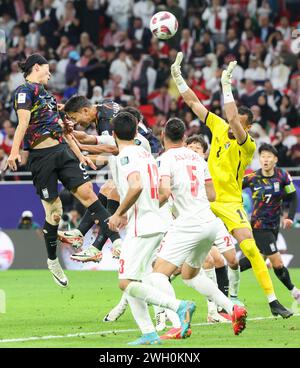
(188, 172)
(144, 217)
(109, 139)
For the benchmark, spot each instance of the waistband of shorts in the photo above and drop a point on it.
(38, 151)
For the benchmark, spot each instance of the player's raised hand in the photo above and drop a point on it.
(11, 161)
(176, 66)
(227, 73)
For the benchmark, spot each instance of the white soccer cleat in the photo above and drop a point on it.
(160, 319)
(116, 248)
(73, 237)
(216, 318)
(90, 254)
(117, 311)
(57, 272)
(296, 294)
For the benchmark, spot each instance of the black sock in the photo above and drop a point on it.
(50, 235)
(222, 279)
(284, 276)
(86, 223)
(100, 213)
(103, 199)
(245, 264)
(112, 206)
(100, 240)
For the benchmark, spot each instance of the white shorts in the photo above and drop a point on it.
(189, 242)
(137, 256)
(223, 239)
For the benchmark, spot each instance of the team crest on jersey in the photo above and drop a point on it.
(45, 193)
(124, 160)
(21, 97)
(227, 145)
(276, 186)
(137, 142)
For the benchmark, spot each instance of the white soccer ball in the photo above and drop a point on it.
(163, 25)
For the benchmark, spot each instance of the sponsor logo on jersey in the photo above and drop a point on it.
(227, 145)
(257, 188)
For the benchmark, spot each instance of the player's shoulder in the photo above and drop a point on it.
(282, 173)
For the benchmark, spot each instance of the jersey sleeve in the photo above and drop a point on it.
(164, 167)
(246, 182)
(248, 147)
(215, 123)
(23, 98)
(288, 183)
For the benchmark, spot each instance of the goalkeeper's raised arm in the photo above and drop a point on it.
(188, 95)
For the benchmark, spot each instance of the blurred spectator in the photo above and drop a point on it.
(120, 11)
(6, 136)
(260, 136)
(57, 82)
(144, 9)
(216, 17)
(121, 67)
(33, 37)
(46, 19)
(233, 42)
(3, 158)
(256, 70)
(69, 24)
(4, 115)
(90, 21)
(26, 221)
(288, 113)
(278, 73)
(283, 158)
(295, 152)
(251, 94)
(186, 43)
(162, 102)
(265, 28)
(97, 96)
(284, 28)
(15, 78)
(288, 138)
(140, 35)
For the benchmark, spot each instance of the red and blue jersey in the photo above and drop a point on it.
(44, 119)
(268, 194)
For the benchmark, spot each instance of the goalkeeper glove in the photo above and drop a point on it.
(176, 74)
(226, 80)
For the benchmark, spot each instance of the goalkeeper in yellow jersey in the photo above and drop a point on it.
(231, 152)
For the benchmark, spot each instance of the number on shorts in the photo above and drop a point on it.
(194, 180)
(227, 241)
(121, 269)
(153, 174)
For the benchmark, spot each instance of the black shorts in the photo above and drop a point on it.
(48, 165)
(266, 240)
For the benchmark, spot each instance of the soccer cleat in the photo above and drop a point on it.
(239, 315)
(236, 301)
(296, 294)
(90, 254)
(217, 318)
(73, 237)
(57, 272)
(117, 311)
(279, 309)
(147, 339)
(160, 319)
(185, 314)
(175, 334)
(225, 315)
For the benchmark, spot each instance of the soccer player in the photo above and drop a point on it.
(270, 186)
(83, 112)
(50, 158)
(231, 152)
(137, 184)
(184, 175)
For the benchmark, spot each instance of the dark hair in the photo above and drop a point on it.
(175, 129)
(76, 103)
(27, 65)
(133, 111)
(265, 147)
(244, 110)
(124, 126)
(197, 138)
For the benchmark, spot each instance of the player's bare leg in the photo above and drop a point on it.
(247, 243)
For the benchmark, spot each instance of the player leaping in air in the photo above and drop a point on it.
(232, 150)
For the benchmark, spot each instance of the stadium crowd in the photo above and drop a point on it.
(104, 49)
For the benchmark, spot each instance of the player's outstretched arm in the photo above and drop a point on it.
(210, 190)
(100, 148)
(84, 138)
(230, 107)
(24, 119)
(164, 190)
(188, 95)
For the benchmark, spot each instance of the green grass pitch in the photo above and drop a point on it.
(37, 308)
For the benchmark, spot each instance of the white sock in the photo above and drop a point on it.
(234, 281)
(165, 286)
(158, 310)
(206, 287)
(271, 298)
(123, 300)
(151, 295)
(140, 312)
(211, 274)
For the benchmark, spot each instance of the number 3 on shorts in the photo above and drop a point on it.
(121, 269)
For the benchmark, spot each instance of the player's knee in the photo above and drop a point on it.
(208, 262)
(123, 284)
(277, 263)
(249, 248)
(53, 211)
